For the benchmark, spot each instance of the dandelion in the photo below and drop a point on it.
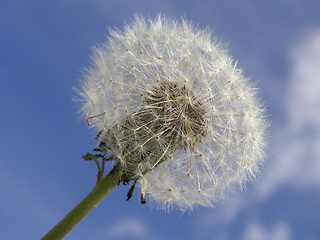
(174, 111)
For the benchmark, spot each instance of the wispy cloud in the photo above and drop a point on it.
(279, 231)
(128, 228)
(296, 157)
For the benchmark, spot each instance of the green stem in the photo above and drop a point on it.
(98, 193)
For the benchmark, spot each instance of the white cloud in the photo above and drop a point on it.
(304, 94)
(279, 231)
(296, 158)
(130, 227)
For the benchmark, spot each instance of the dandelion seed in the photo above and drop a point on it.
(174, 112)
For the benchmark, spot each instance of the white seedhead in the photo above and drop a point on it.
(174, 112)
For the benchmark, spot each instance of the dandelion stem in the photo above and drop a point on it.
(98, 193)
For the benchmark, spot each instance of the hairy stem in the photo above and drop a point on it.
(98, 193)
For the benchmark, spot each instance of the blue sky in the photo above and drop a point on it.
(44, 47)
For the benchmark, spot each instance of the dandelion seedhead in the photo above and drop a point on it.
(174, 112)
